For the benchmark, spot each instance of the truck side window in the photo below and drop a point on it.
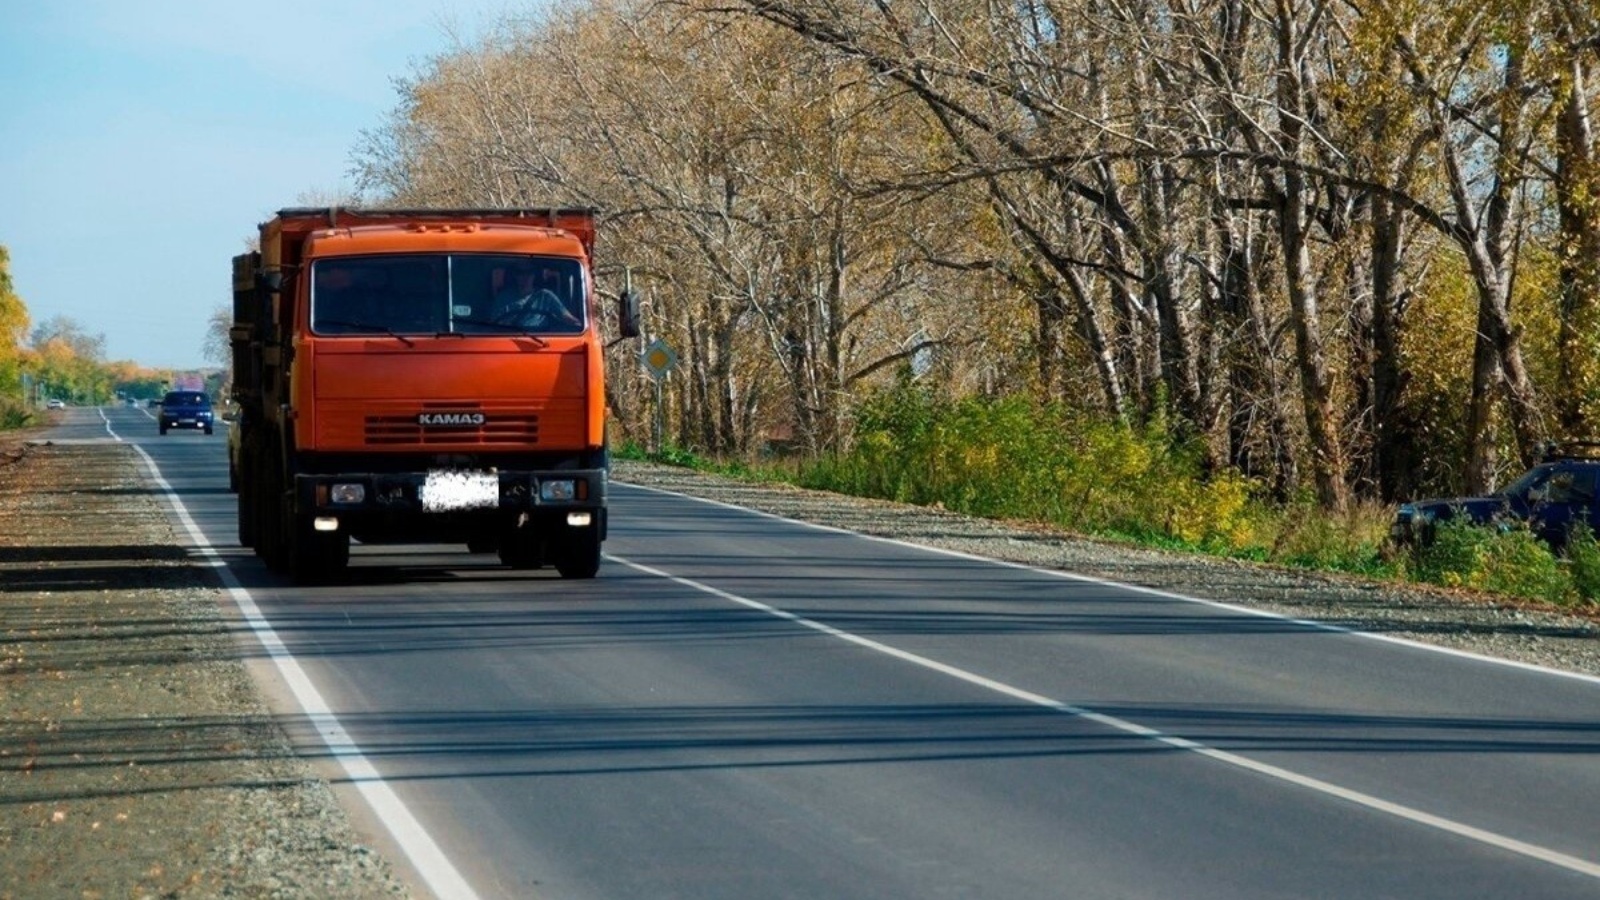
(340, 300)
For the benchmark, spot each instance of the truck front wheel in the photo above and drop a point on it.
(522, 548)
(577, 553)
(316, 556)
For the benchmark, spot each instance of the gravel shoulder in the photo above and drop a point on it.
(138, 758)
(1474, 623)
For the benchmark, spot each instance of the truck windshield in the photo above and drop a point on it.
(410, 294)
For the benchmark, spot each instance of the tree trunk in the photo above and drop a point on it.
(1316, 395)
(1577, 400)
(1260, 439)
(1179, 365)
(1394, 444)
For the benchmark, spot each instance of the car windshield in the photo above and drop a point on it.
(1530, 480)
(187, 398)
(440, 294)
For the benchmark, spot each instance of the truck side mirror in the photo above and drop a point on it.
(271, 282)
(628, 314)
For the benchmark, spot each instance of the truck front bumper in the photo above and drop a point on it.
(455, 492)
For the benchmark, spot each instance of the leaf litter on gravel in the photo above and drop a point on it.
(136, 756)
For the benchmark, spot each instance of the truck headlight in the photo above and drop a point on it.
(348, 493)
(557, 489)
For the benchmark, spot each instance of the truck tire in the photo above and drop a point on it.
(316, 557)
(247, 512)
(578, 553)
(522, 548)
(272, 513)
(266, 529)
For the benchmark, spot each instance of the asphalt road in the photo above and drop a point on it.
(743, 707)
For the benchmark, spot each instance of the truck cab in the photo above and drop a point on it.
(408, 376)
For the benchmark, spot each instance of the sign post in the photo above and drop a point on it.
(658, 358)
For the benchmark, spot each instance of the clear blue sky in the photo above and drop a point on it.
(142, 141)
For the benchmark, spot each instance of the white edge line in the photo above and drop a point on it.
(1411, 814)
(436, 870)
(446, 882)
(1154, 592)
(1532, 851)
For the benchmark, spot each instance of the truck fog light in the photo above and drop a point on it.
(325, 523)
(349, 493)
(557, 489)
(578, 519)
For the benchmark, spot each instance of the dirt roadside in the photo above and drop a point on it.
(137, 757)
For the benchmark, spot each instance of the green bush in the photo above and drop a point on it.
(1306, 535)
(1503, 559)
(1583, 559)
(1455, 551)
(1521, 565)
(15, 415)
(1015, 459)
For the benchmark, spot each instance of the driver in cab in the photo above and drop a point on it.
(533, 300)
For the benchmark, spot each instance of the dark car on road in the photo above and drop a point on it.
(1550, 499)
(186, 409)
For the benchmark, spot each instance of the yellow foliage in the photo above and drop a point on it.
(1535, 310)
(13, 326)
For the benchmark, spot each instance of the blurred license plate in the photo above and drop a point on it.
(448, 491)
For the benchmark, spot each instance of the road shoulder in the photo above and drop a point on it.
(137, 757)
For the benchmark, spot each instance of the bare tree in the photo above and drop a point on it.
(1484, 122)
(723, 156)
(1577, 188)
(1215, 210)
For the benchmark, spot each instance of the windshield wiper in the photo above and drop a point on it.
(506, 327)
(367, 326)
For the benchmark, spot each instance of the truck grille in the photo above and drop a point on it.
(497, 428)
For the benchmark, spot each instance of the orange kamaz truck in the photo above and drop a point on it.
(422, 376)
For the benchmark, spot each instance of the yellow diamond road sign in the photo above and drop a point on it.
(659, 358)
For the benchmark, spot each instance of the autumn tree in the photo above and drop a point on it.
(69, 361)
(13, 327)
(724, 160)
(1250, 218)
(1577, 187)
(1106, 107)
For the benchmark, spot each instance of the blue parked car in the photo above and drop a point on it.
(1551, 499)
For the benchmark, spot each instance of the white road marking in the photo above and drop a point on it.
(446, 882)
(1141, 589)
(436, 870)
(1411, 814)
(1503, 842)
